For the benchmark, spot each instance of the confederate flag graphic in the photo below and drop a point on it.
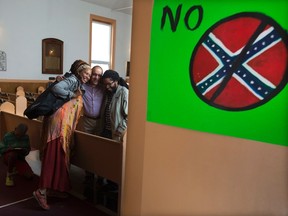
(240, 63)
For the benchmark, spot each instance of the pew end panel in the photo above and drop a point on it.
(99, 155)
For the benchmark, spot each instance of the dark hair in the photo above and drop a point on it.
(114, 76)
(22, 128)
(76, 66)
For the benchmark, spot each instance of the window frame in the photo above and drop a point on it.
(108, 21)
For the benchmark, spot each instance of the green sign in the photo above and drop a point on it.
(220, 67)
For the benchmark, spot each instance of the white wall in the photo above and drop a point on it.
(24, 23)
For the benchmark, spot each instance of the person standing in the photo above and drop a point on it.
(92, 121)
(14, 147)
(115, 114)
(115, 105)
(93, 97)
(57, 133)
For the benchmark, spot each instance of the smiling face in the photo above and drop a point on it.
(81, 70)
(110, 84)
(96, 75)
(85, 74)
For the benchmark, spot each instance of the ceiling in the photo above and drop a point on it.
(123, 6)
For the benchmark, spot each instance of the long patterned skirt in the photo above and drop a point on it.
(57, 134)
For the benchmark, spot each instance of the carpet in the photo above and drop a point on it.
(70, 206)
(18, 200)
(23, 187)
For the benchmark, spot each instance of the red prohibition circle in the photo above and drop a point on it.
(240, 62)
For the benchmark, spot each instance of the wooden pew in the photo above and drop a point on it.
(7, 107)
(4, 95)
(11, 85)
(20, 105)
(98, 154)
(9, 97)
(8, 121)
(19, 88)
(20, 93)
(20, 100)
(104, 157)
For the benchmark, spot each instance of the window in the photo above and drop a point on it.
(102, 33)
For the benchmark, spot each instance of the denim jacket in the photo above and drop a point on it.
(65, 88)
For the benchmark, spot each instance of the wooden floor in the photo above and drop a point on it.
(18, 200)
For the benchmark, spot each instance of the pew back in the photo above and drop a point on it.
(93, 153)
(104, 157)
(98, 154)
(7, 107)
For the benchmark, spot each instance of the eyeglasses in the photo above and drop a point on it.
(109, 84)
